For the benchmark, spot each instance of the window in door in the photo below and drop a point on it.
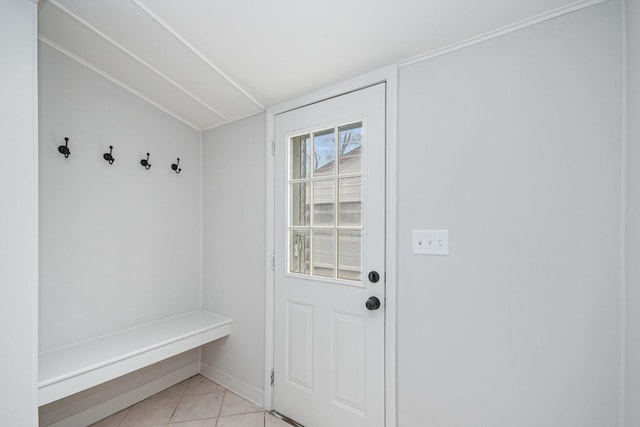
(325, 199)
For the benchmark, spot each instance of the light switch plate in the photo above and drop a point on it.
(431, 242)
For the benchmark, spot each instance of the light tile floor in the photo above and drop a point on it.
(196, 402)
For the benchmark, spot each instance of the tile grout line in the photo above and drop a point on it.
(184, 394)
(128, 409)
(221, 403)
(179, 401)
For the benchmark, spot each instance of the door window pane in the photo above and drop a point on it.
(300, 156)
(324, 152)
(350, 148)
(324, 205)
(324, 253)
(300, 196)
(349, 258)
(350, 201)
(299, 252)
(325, 199)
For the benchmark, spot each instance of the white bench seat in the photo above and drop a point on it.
(70, 369)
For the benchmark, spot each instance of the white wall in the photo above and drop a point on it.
(514, 146)
(119, 245)
(19, 212)
(234, 241)
(633, 215)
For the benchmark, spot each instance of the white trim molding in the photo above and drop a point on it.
(112, 79)
(235, 119)
(572, 7)
(391, 251)
(136, 58)
(195, 51)
(389, 76)
(233, 384)
(269, 300)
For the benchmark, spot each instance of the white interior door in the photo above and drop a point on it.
(330, 242)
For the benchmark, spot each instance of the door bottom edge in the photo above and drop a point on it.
(284, 418)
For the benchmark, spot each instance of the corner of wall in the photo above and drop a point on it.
(201, 295)
(623, 213)
(630, 298)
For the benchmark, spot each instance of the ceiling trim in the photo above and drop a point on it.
(580, 4)
(109, 77)
(196, 51)
(235, 119)
(137, 58)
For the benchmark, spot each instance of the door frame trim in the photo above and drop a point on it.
(388, 75)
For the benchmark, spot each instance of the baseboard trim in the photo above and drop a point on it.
(240, 388)
(110, 407)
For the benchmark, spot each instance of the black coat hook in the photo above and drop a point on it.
(64, 149)
(175, 168)
(145, 162)
(108, 156)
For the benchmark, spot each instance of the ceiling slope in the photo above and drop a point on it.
(209, 62)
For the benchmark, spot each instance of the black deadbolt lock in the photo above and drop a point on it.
(374, 276)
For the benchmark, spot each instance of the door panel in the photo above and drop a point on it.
(329, 213)
(299, 345)
(348, 362)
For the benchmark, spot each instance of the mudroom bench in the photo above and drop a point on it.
(77, 367)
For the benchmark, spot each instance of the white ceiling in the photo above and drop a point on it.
(209, 62)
